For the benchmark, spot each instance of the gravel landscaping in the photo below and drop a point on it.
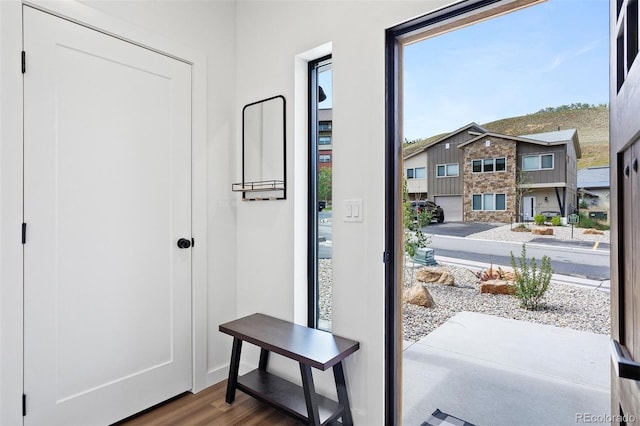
(565, 306)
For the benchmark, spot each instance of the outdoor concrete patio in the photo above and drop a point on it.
(495, 371)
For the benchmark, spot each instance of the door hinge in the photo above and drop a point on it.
(24, 233)
(24, 62)
(193, 242)
(385, 257)
(24, 405)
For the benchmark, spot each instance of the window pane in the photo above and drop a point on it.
(501, 202)
(324, 140)
(420, 172)
(452, 170)
(501, 164)
(531, 162)
(547, 161)
(477, 202)
(488, 165)
(324, 158)
(409, 173)
(476, 166)
(488, 202)
(440, 170)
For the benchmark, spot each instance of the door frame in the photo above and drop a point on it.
(448, 18)
(11, 186)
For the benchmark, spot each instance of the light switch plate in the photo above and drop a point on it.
(353, 210)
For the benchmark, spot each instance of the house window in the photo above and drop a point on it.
(417, 173)
(489, 202)
(537, 162)
(447, 170)
(320, 188)
(489, 165)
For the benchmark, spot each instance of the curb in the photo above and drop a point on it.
(556, 278)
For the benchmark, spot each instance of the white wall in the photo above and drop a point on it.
(270, 36)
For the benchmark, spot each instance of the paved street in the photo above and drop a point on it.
(573, 258)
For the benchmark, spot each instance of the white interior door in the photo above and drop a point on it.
(528, 207)
(107, 194)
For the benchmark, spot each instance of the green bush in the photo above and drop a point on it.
(539, 219)
(556, 220)
(531, 283)
(587, 222)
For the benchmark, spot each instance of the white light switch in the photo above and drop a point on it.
(353, 210)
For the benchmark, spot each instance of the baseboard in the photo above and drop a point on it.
(221, 373)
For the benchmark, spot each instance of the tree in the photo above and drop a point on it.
(412, 224)
(522, 188)
(324, 183)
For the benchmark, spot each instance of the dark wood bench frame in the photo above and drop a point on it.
(310, 348)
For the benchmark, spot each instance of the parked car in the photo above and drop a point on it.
(436, 212)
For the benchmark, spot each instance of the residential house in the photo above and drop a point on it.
(473, 174)
(594, 187)
(433, 172)
(325, 137)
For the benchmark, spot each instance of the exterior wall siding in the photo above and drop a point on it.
(417, 188)
(502, 182)
(440, 154)
(559, 171)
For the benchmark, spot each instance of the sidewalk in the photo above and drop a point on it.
(497, 371)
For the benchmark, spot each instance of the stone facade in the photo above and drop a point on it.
(502, 182)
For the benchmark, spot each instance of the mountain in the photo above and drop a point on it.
(592, 123)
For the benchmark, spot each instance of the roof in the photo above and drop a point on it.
(560, 137)
(594, 177)
(468, 127)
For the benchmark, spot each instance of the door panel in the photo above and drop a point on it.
(107, 195)
(625, 203)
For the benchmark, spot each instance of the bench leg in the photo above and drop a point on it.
(310, 395)
(343, 397)
(232, 382)
(264, 359)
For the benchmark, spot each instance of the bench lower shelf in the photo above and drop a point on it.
(286, 396)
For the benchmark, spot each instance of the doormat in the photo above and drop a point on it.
(438, 418)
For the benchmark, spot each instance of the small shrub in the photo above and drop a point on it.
(539, 219)
(556, 221)
(521, 228)
(531, 283)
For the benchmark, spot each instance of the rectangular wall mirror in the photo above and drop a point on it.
(263, 150)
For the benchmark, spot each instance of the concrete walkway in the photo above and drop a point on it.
(494, 371)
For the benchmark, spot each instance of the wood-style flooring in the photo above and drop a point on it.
(209, 408)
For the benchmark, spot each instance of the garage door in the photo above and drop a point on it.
(452, 206)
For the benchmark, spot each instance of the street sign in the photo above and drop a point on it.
(573, 218)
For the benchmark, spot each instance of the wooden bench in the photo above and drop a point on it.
(310, 348)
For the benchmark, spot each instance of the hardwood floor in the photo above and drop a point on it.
(209, 408)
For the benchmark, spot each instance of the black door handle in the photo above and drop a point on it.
(183, 243)
(625, 367)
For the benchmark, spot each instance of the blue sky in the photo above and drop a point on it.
(548, 55)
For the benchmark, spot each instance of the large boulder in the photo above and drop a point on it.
(434, 275)
(542, 231)
(419, 295)
(497, 287)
